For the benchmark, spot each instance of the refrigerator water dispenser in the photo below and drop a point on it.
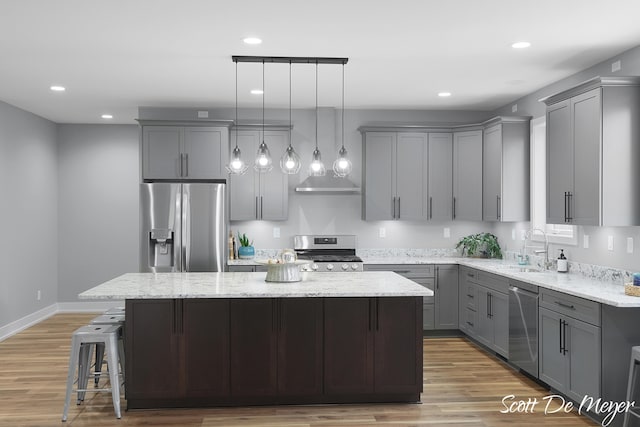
(161, 248)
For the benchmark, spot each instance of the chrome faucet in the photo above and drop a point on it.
(544, 250)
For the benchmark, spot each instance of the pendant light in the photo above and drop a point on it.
(316, 168)
(290, 161)
(342, 166)
(236, 166)
(263, 162)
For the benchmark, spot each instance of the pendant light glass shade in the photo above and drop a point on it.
(316, 168)
(290, 161)
(236, 166)
(263, 162)
(342, 166)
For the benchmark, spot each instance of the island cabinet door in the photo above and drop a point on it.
(205, 331)
(397, 344)
(300, 346)
(152, 349)
(253, 347)
(348, 346)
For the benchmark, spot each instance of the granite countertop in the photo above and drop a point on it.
(602, 291)
(253, 285)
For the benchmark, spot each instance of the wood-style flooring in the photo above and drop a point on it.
(463, 386)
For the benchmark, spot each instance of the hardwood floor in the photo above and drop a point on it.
(463, 386)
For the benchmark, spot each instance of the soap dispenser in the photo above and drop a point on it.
(562, 262)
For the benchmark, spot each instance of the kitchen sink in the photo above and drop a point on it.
(523, 269)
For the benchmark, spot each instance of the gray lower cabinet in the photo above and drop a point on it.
(254, 195)
(184, 152)
(505, 170)
(590, 180)
(467, 176)
(570, 344)
(485, 301)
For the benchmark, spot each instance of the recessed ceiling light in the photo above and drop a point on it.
(107, 116)
(444, 94)
(56, 88)
(257, 91)
(521, 45)
(252, 40)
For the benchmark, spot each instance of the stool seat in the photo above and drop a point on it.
(83, 341)
(632, 385)
(115, 310)
(107, 319)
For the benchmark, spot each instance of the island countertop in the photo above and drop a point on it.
(253, 285)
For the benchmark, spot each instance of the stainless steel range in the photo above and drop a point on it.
(336, 253)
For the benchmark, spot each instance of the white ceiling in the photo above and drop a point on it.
(116, 55)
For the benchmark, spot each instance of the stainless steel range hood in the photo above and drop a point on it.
(327, 131)
(327, 184)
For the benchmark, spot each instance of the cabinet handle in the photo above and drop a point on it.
(560, 334)
(569, 196)
(471, 275)
(430, 207)
(257, 217)
(453, 214)
(437, 280)
(566, 216)
(393, 207)
(398, 207)
(401, 271)
(261, 213)
(186, 164)
(561, 304)
(469, 323)
(470, 296)
(564, 336)
(498, 215)
(180, 165)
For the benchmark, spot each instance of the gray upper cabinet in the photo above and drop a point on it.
(467, 175)
(184, 152)
(592, 143)
(259, 196)
(393, 176)
(505, 169)
(440, 176)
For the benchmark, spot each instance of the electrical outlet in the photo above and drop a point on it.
(382, 232)
(629, 245)
(513, 234)
(514, 108)
(203, 114)
(616, 66)
(276, 232)
(610, 243)
(523, 234)
(38, 295)
(447, 232)
(585, 241)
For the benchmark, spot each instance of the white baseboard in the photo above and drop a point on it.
(27, 321)
(61, 307)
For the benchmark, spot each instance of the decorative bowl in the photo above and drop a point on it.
(283, 271)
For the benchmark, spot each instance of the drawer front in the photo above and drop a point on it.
(469, 294)
(493, 281)
(569, 305)
(409, 271)
(467, 273)
(470, 320)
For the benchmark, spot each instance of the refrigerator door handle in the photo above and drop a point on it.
(186, 164)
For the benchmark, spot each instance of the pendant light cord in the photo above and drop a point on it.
(236, 104)
(290, 122)
(263, 101)
(343, 106)
(316, 105)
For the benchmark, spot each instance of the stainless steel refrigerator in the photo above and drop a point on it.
(183, 227)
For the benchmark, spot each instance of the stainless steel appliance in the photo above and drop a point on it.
(182, 226)
(335, 253)
(523, 326)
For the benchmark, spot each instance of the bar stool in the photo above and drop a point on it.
(82, 343)
(115, 310)
(631, 387)
(108, 319)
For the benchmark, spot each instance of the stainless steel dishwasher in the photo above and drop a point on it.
(523, 326)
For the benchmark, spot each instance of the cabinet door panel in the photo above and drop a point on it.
(584, 350)
(587, 116)
(379, 179)
(206, 151)
(348, 341)
(398, 349)
(274, 185)
(491, 173)
(440, 176)
(300, 346)
(559, 161)
(467, 175)
(151, 335)
(243, 189)
(206, 345)
(428, 316)
(447, 297)
(484, 326)
(161, 147)
(500, 317)
(410, 176)
(253, 347)
(552, 360)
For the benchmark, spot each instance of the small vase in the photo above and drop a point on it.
(246, 252)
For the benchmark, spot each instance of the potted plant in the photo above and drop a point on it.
(483, 245)
(246, 250)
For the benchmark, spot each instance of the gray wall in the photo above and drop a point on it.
(28, 213)
(597, 252)
(98, 175)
